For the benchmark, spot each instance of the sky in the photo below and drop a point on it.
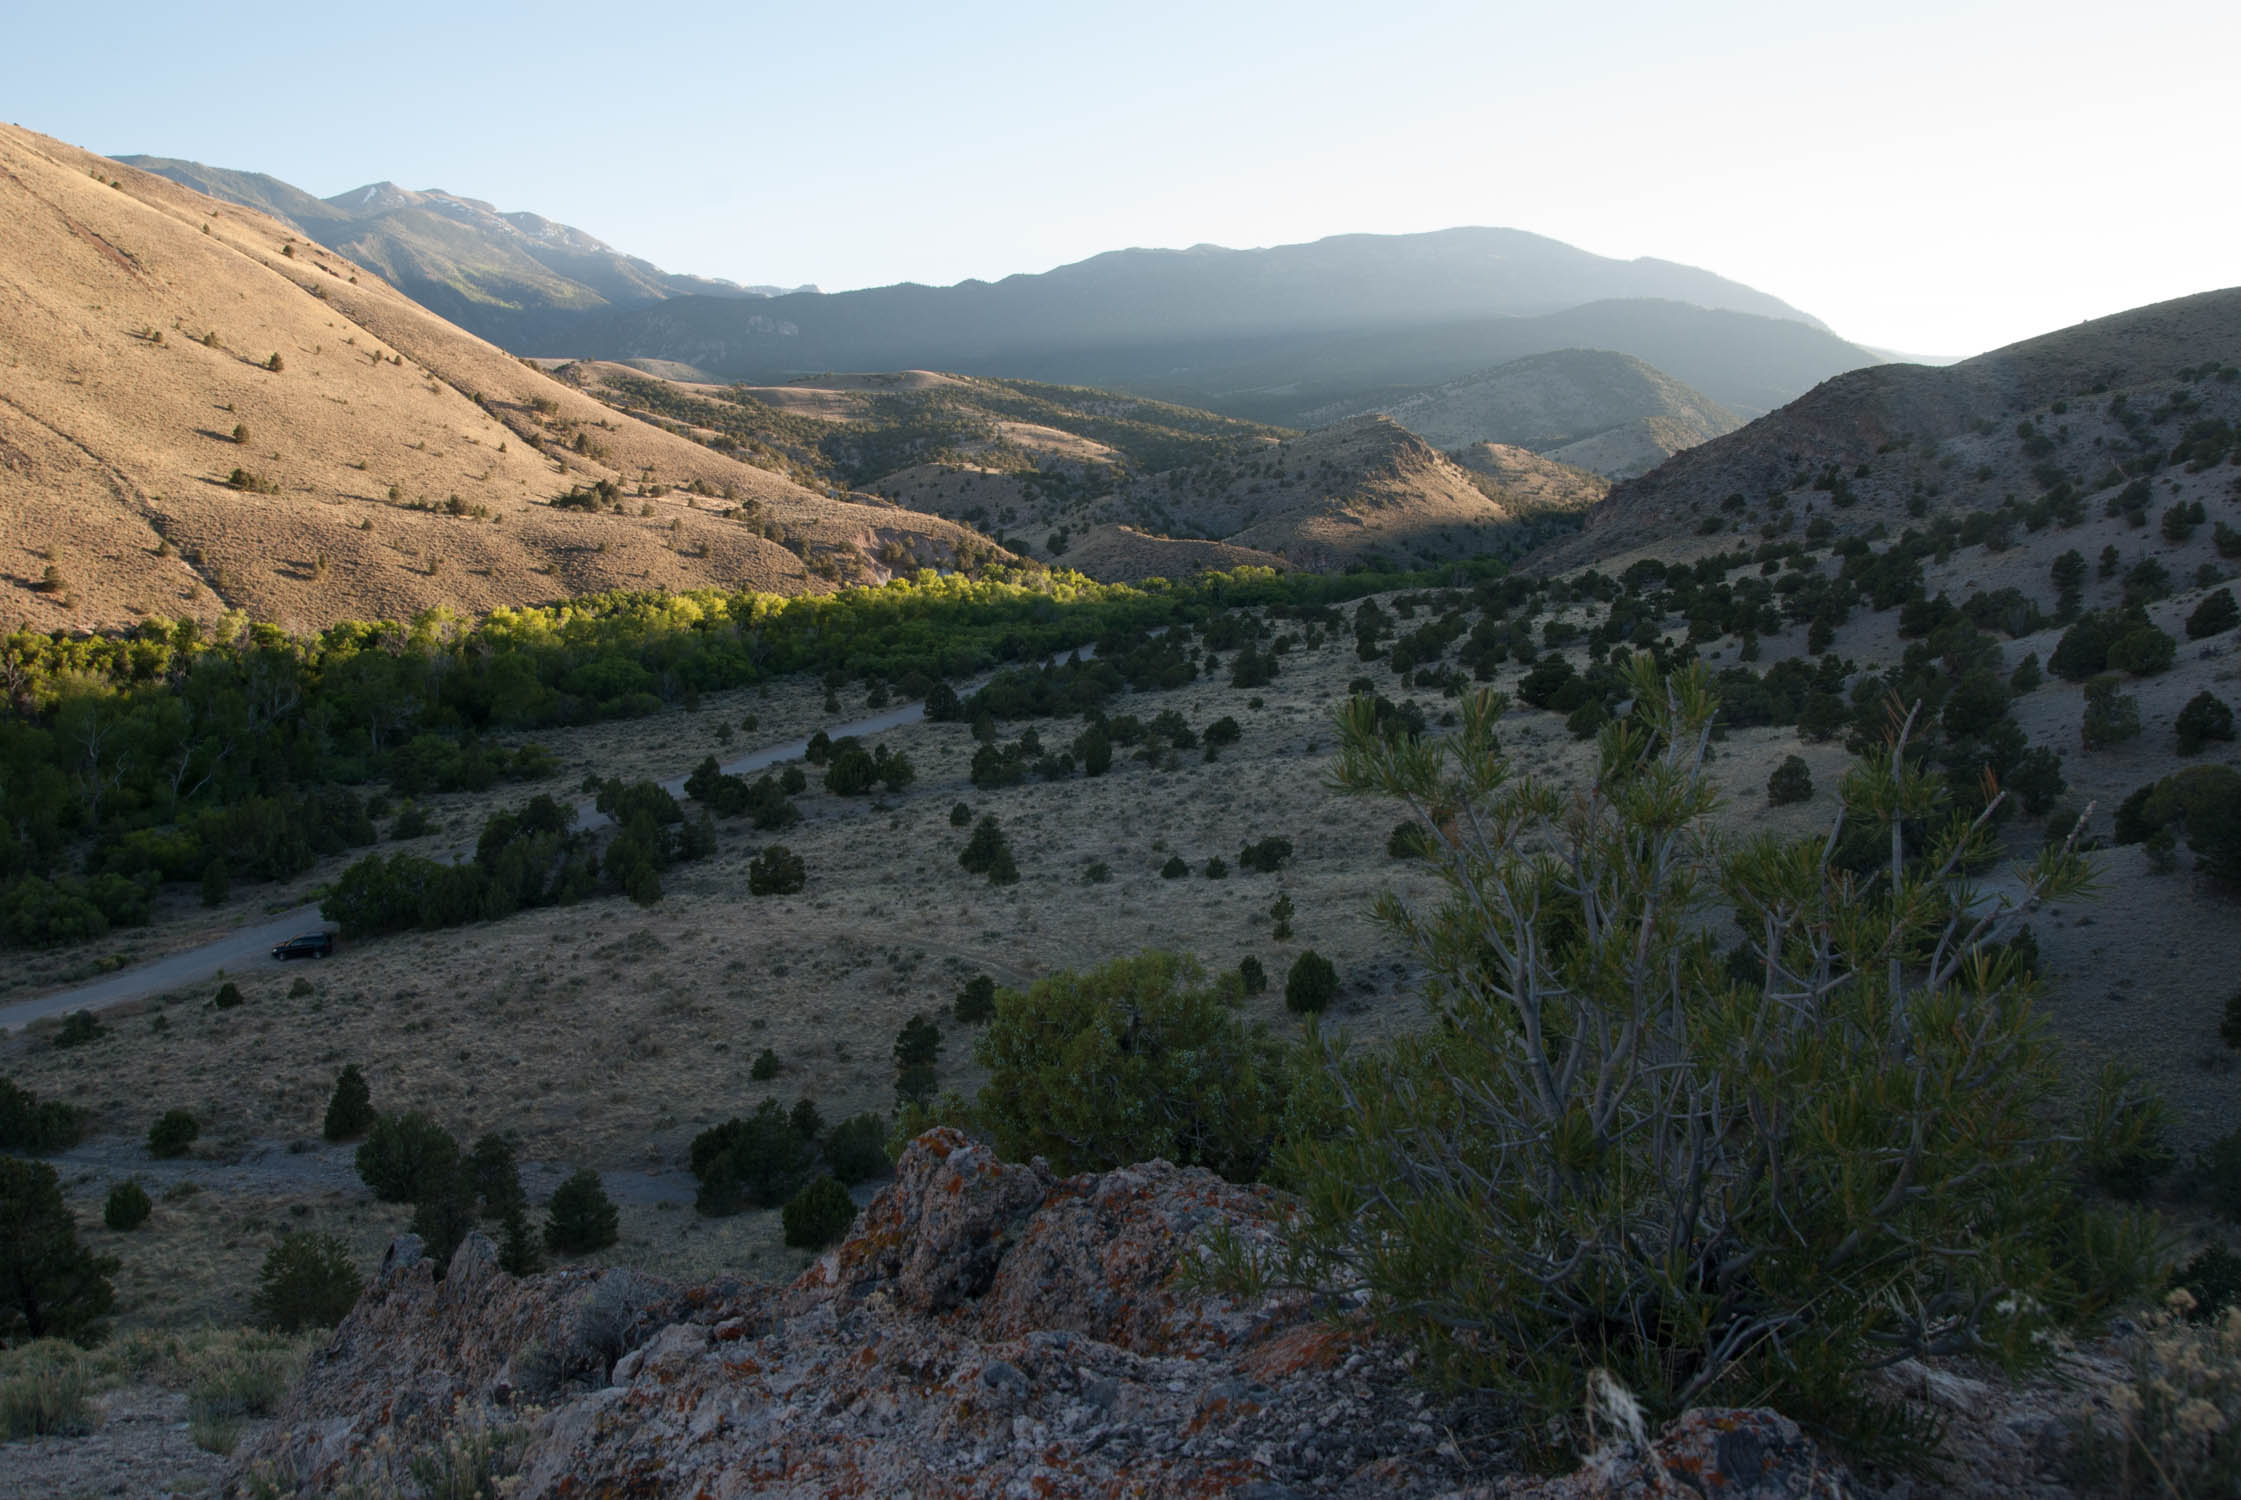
(1928, 178)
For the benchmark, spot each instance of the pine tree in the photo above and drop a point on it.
(581, 1217)
(50, 1287)
(519, 1254)
(350, 1109)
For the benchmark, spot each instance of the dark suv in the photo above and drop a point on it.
(306, 945)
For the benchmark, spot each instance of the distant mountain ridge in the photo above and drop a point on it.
(1266, 335)
(1204, 324)
(1592, 408)
(492, 273)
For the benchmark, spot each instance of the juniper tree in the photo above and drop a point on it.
(989, 853)
(50, 1286)
(580, 1218)
(350, 1108)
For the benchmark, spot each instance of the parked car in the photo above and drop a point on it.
(305, 945)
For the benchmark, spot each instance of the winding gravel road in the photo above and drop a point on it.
(247, 949)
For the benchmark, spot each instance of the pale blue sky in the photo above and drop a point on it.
(1931, 177)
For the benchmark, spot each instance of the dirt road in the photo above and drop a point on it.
(250, 948)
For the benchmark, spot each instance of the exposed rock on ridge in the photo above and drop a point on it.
(986, 1329)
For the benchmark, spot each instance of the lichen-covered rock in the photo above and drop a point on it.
(933, 1240)
(986, 1330)
(1102, 1254)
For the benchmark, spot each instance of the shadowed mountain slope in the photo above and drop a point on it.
(1593, 409)
(1886, 436)
(1266, 334)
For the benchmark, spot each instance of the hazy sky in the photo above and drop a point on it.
(1938, 178)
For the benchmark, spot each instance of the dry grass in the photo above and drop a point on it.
(609, 1035)
(116, 434)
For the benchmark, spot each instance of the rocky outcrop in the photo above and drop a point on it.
(986, 1329)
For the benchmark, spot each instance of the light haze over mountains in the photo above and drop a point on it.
(1293, 335)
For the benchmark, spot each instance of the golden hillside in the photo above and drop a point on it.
(200, 412)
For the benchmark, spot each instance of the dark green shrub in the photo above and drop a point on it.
(406, 1157)
(442, 1215)
(976, 1001)
(2229, 1028)
(819, 1214)
(519, 1251)
(777, 871)
(2220, 1169)
(350, 1107)
(1095, 751)
(793, 781)
(33, 1127)
(228, 996)
(2206, 717)
(2142, 650)
(2124, 1149)
(1252, 978)
(960, 815)
(1408, 840)
(2083, 651)
(1311, 984)
(805, 1121)
(759, 1159)
(1217, 868)
(172, 1134)
(1792, 781)
(2026, 677)
(765, 1067)
(1174, 869)
(1267, 856)
(493, 1175)
(1135, 1059)
(989, 853)
(1280, 916)
(851, 773)
(128, 1206)
(299, 987)
(2213, 1278)
(2111, 717)
(79, 1027)
(856, 1149)
(2216, 614)
(580, 1218)
(307, 1282)
(2203, 800)
(50, 1286)
(918, 1047)
(2145, 582)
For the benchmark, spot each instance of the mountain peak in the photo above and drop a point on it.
(374, 198)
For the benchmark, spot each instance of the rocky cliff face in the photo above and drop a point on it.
(986, 1329)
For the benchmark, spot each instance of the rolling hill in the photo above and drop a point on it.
(2084, 409)
(1115, 486)
(202, 412)
(499, 275)
(1596, 410)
